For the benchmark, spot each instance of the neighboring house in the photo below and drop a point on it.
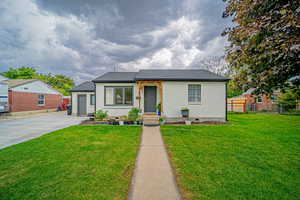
(258, 102)
(3, 95)
(2, 78)
(31, 95)
(203, 92)
(83, 98)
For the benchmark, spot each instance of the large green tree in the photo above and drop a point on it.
(264, 51)
(60, 82)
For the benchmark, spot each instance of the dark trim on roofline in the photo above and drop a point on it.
(81, 90)
(113, 81)
(180, 79)
(153, 79)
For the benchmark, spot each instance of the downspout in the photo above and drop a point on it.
(226, 118)
(95, 97)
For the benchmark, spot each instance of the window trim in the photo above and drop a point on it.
(198, 102)
(119, 86)
(256, 99)
(44, 99)
(91, 103)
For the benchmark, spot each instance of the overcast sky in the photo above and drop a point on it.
(85, 38)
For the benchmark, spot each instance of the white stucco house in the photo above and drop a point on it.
(201, 91)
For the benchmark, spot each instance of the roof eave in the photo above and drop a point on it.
(81, 90)
(113, 81)
(174, 79)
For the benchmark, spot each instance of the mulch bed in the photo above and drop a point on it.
(204, 122)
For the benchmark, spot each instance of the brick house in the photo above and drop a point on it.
(31, 95)
(259, 102)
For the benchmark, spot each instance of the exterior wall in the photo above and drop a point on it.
(267, 103)
(89, 108)
(212, 106)
(35, 87)
(114, 110)
(27, 101)
(175, 96)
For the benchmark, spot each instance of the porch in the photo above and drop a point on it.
(150, 95)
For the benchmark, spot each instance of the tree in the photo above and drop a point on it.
(264, 43)
(20, 73)
(233, 89)
(60, 82)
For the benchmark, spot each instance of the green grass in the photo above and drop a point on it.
(79, 162)
(256, 156)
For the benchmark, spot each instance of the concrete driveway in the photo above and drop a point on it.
(20, 130)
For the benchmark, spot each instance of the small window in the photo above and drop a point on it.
(274, 98)
(92, 99)
(194, 93)
(259, 99)
(118, 95)
(41, 99)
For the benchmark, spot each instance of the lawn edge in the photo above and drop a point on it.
(132, 177)
(173, 168)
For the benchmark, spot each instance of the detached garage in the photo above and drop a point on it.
(83, 99)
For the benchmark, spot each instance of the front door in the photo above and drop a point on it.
(82, 104)
(150, 99)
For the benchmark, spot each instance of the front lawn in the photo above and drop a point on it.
(79, 162)
(256, 156)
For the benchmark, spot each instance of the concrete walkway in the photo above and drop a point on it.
(153, 177)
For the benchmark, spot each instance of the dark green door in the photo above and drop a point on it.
(150, 99)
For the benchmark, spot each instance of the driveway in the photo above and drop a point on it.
(20, 130)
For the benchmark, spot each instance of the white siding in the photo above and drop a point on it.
(35, 87)
(114, 110)
(2, 78)
(175, 96)
(89, 108)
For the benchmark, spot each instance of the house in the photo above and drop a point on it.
(31, 95)
(2, 78)
(254, 102)
(3, 95)
(83, 98)
(201, 91)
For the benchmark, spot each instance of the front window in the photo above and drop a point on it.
(92, 99)
(259, 99)
(118, 95)
(41, 99)
(194, 93)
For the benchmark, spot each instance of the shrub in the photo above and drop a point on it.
(133, 114)
(158, 107)
(100, 114)
(184, 108)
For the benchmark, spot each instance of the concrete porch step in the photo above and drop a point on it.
(150, 119)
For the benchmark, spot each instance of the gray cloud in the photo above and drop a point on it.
(84, 38)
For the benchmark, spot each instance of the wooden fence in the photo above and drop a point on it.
(236, 105)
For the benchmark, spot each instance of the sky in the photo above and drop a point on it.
(86, 38)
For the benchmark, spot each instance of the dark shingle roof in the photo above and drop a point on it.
(179, 75)
(164, 75)
(116, 77)
(87, 86)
